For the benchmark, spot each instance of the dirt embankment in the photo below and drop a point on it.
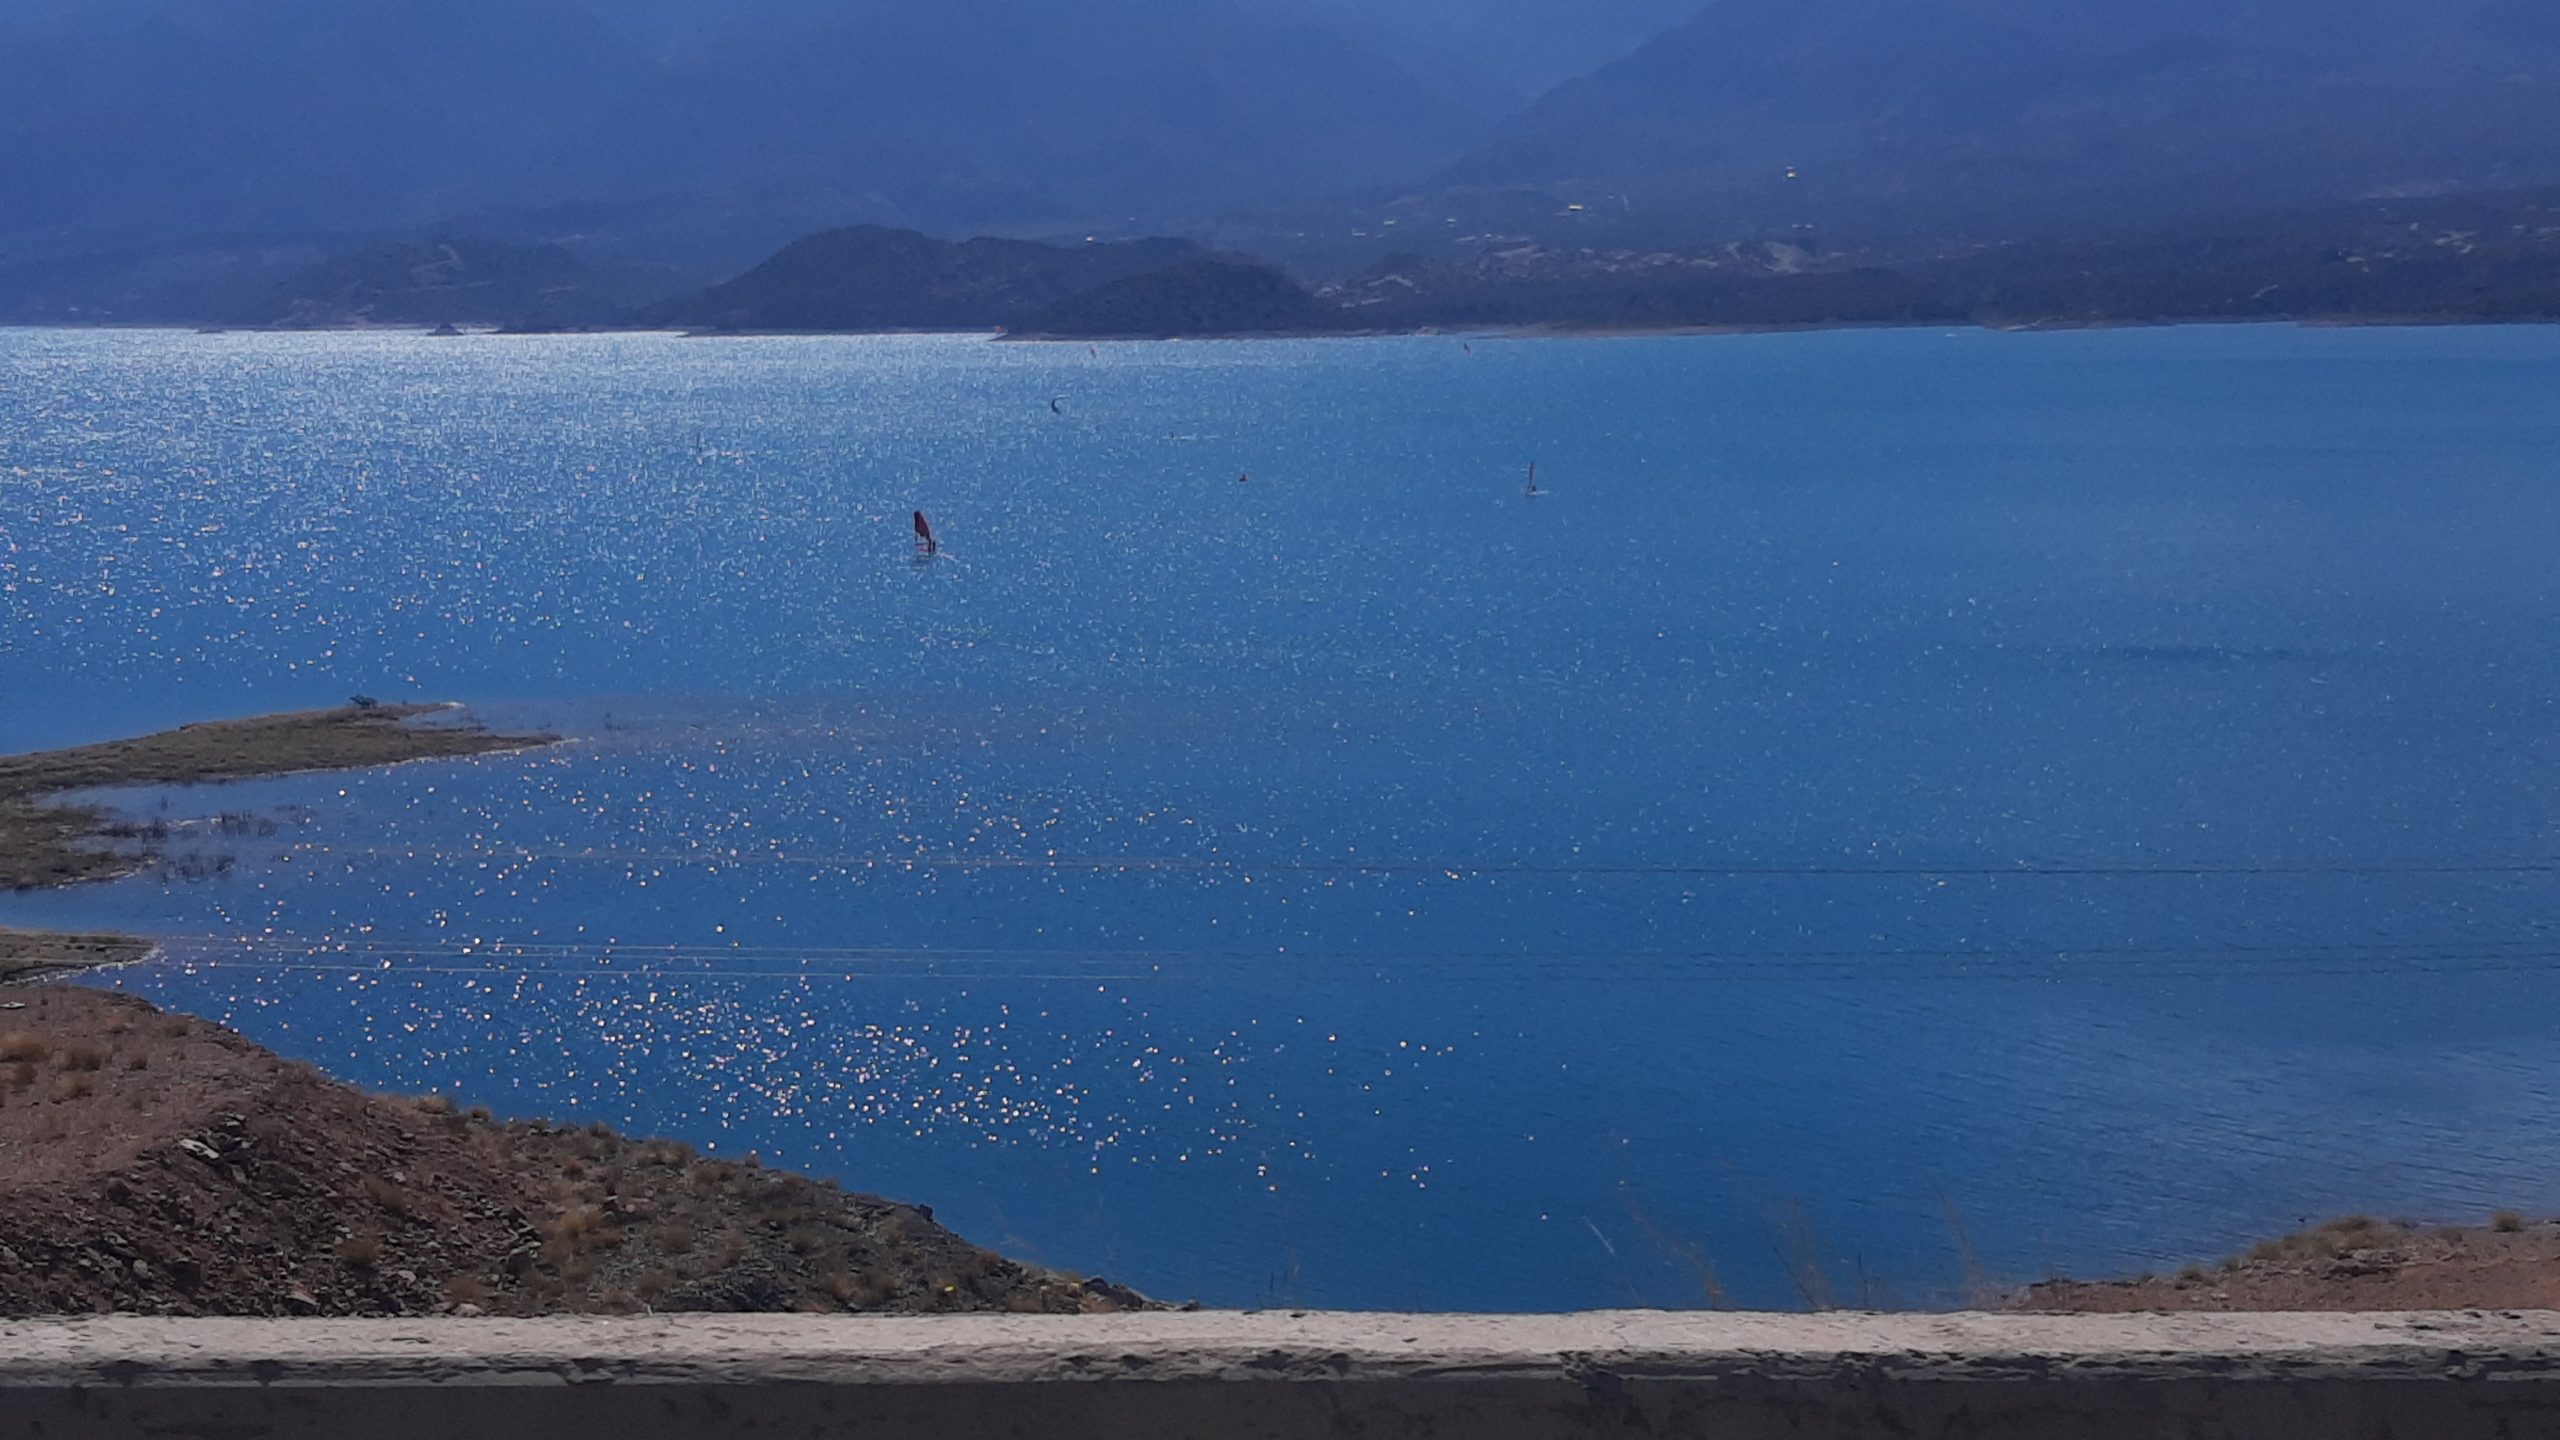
(2356, 1263)
(160, 1164)
(29, 955)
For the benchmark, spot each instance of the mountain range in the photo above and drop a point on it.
(1999, 118)
(129, 125)
(154, 152)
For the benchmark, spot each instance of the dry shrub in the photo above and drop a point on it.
(81, 1057)
(79, 1087)
(137, 1062)
(481, 1113)
(361, 1251)
(466, 1290)
(22, 1075)
(436, 1104)
(672, 1238)
(580, 1223)
(2506, 1222)
(23, 1047)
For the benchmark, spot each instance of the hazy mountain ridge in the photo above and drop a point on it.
(1005, 113)
(275, 116)
(2019, 116)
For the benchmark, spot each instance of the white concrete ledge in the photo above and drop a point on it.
(1274, 1376)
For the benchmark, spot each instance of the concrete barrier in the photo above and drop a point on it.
(1274, 1376)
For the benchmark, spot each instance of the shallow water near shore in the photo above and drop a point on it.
(2083, 799)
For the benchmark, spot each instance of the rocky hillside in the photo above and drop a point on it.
(2353, 1263)
(163, 1165)
(1204, 297)
(870, 277)
(456, 280)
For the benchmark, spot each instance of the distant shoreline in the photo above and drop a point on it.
(1563, 330)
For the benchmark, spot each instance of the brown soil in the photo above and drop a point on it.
(44, 843)
(160, 1164)
(2351, 1264)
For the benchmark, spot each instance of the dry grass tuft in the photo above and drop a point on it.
(387, 1194)
(24, 1047)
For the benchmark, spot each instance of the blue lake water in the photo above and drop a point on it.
(2098, 788)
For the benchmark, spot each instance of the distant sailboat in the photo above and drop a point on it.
(1053, 404)
(925, 543)
(1532, 487)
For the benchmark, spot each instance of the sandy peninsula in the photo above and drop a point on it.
(48, 840)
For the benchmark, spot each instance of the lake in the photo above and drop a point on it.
(1900, 808)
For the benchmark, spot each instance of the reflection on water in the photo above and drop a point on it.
(2096, 785)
